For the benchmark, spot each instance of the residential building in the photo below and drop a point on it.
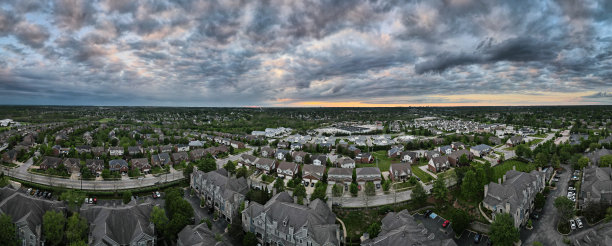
(178, 157)
(312, 173)
(368, 174)
(220, 192)
(400, 172)
(280, 154)
(401, 228)
(9, 156)
(319, 160)
(409, 157)
(339, 175)
(514, 141)
(595, 155)
(27, 214)
(266, 165)
(196, 144)
(248, 159)
(514, 194)
(119, 165)
(134, 150)
(445, 150)
(72, 165)
(115, 151)
(50, 162)
(438, 164)
(165, 148)
(299, 156)
(142, 164)
(453, 158)
(345, 162)
(282, 222)
(364, 158)
(95, 165)
(160, 159)
(287, 169)
(596, 186)
(481, 150)
(197, 235)
(120, 225)
(267, 152)
(182, 148)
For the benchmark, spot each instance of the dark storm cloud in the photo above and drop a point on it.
(237, 52)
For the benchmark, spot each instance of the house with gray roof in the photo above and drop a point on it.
(339, 175)
(220, 192)
(312, 173)
(122, 225)
(401, 228)
(596, 186)
(299, 156)
(367, 174)
(287, 169)
(281, 154)
(595, 155)
(282, 222)
(266, 165)
(95, 165)
(481, 150)
(142, 164)
(72, 165)
(453, 158)
(26, 213)
(438, 164)
(197, 235)
(248, 159)
(267, 152)
(400, 172)
(514, 141)
(119, 165)
(319, 160)
(409, 157)
(160, 159)
(345, 162)
(514, 194)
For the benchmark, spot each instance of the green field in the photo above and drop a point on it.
(238, 151)
(501, 169)
(535, 141)
(106, 120)
(425, 177)
(384, 162)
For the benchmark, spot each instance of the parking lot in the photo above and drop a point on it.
(435, 226)
(467, 238)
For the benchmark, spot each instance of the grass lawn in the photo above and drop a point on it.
(511, 148)
(241, 150)
(384, 162)
(501, 169)
(543, 135)
(425, 177)
(535, 141)
(357, 222)
(6, 164)
(402, 185)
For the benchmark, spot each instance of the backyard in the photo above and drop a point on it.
(501, 169)
(425, 177)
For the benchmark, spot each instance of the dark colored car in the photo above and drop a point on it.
(445, 224)
(477, 238)
(535, 216)
(428, 212)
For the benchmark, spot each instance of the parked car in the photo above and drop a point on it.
(312, 184)
(377, 186)
(573, 224)
(579, 223)
(428, 212)
(535, 216)
(33, 192)
(418, 179)
(154, 194)
(49, 195)
(95, 200)
(306, 184)
(158, 194)
(29, 190)
(86, 200)
(571, 188)
(445, 224)
(477, 238)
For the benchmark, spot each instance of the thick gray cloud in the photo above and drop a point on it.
(237, 52)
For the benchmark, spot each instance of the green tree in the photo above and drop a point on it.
(337, 190)
(76, 229)
(354, 189)
(127, 197)
(418, 193)
(279, 185)
(230, 167)
(463, 160)
(565, 207)
(299, 191)
(386, 185)
(541, 160)
(249, 239)
(583, 162)
(605, 161)
(461, 220)
(159, 219)
(540, 200)
(242, 172)
(7, 230)
(73, 198)
(53, 227)
(555, 161)
(319, 192)
(374, 229)
(370, 190)
(439, 189)
(469, 185)
(503, 231)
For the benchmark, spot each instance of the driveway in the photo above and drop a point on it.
(203, 213)
(545, 229)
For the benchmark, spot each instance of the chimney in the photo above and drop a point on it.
(486, 190)
(507, 207)
(539, 169)
(499, 180)
(504, 178)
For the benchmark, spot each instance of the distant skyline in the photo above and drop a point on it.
(330, 53)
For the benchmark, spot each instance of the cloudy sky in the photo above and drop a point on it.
(306, 53)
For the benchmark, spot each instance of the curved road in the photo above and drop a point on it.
(22, 173)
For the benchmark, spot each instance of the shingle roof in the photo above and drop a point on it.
(120, 224)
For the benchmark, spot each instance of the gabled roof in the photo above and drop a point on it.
(122, 225)
(285, 165)
(197, 235)
(399, 229)
(23, 208)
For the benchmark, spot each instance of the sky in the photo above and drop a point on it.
(306, 53)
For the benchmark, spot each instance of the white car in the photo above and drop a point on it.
(573, 224)
(579, 223)
(571, 188)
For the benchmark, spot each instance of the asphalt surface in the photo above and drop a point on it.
(545, 229)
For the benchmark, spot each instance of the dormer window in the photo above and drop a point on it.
(285, 222)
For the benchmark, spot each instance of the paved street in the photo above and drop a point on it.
(21, 172)
(222, 162)
(203, 213)
(367, 201)
(548, 137)
(545, 229)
